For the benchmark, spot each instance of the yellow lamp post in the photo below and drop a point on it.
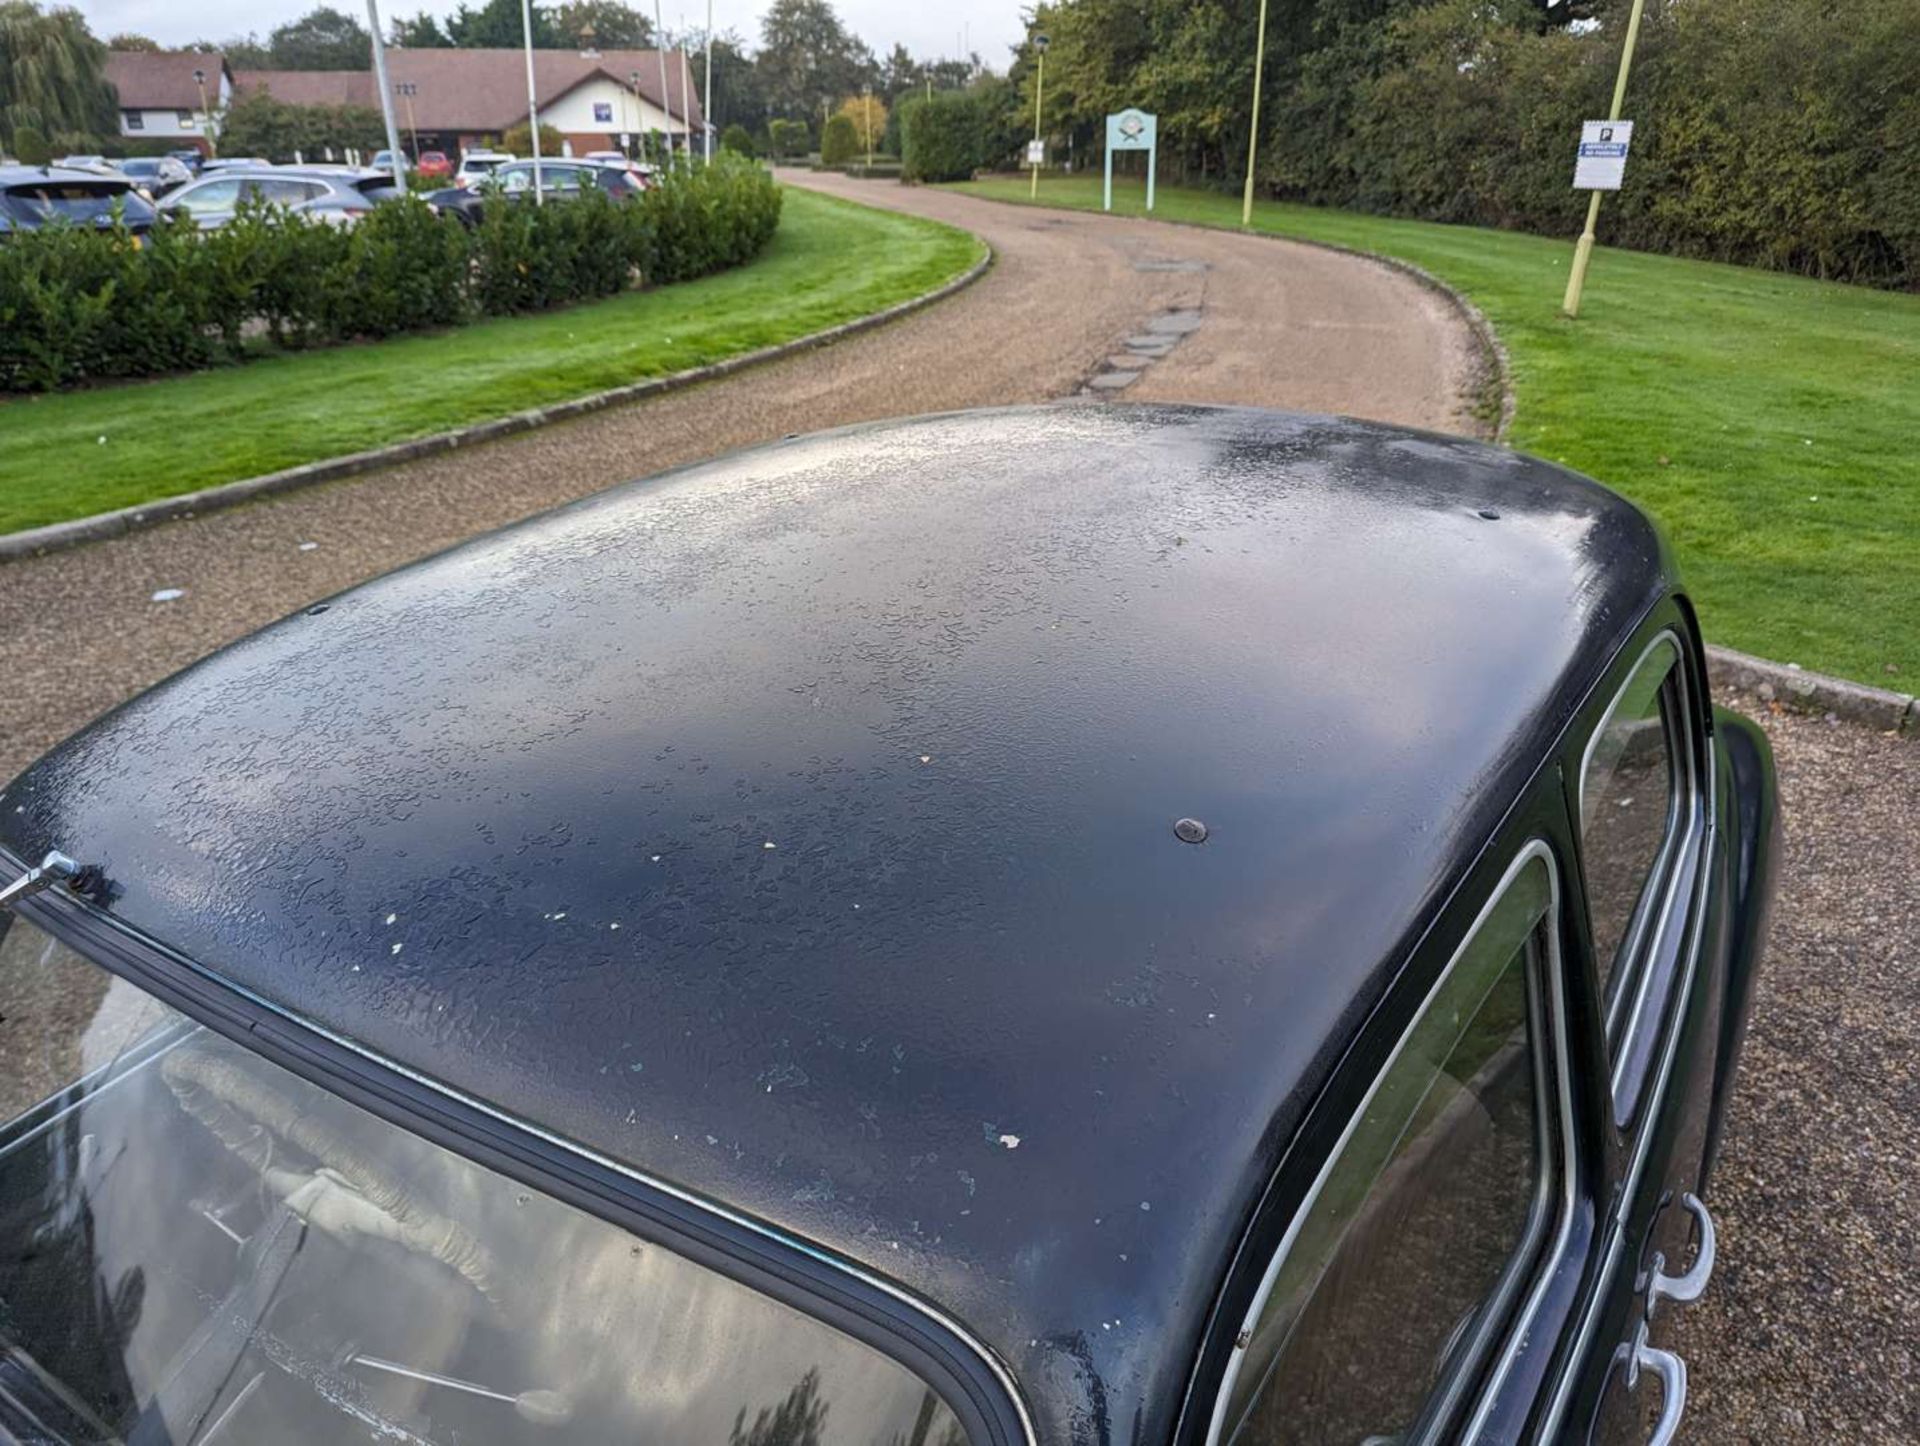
(1040, 43)
(206, 116)
(1583, 250)
(1253, 134)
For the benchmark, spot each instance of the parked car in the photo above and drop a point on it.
(434, 166)
(1161, 924)
(154, 175)
(35, 196)
(234, 163)
(639, 170)
(189, 157)
(98, 164)
(339, 194)
(560, 180)
(477, 163)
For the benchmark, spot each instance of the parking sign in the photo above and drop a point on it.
(1603, 155)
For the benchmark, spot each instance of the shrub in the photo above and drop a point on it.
(87, 303)
(518, 140)
(839, 143)
(737, 139)
(788, 138)
(31, 147)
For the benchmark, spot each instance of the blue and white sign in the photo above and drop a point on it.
(1132, 130)
(1603, 155)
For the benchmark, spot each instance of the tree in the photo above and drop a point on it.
(808, 59)
(52, 77)
(737, 95)
(495, 25)
(614, 26)
(322, 39)
(418, 32)
(518, 140)
(868, 117)
(738, 139)
(257, 124)
(127, 40)
(798, 1420)
(839, 142)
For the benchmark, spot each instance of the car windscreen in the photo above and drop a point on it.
(50, 199)
(198, 1245)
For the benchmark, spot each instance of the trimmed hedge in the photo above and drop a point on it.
(80, 304)
(953, 133)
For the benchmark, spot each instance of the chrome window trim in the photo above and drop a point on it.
(1630, 1182)
(1663, 856)
(1001, 1375)
(1554, 972)
(1653, 917)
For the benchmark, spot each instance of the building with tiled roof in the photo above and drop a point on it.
(170, 95)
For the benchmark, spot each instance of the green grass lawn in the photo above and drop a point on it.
(76, 453)
(1771, 424)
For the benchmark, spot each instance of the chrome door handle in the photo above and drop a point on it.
(1683, 1289)
(1672, 1372)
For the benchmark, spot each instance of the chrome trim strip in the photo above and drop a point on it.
(925, 1309)
(1669, 1052)
(1663, 859)
(1535, 848)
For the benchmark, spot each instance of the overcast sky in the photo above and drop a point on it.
(927, 29)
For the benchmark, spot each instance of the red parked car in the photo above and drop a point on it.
(434, 165)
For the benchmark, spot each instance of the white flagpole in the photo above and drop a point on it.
(394, 153)
(660, 49)
(533, 104)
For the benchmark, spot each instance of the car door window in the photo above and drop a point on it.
(1627, 797)
(1636, 806)
(287, 192)
(210, 199)
(1405, 1265)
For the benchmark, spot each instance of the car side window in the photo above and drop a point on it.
(1629, 797)
(290, 192)
(1406, 1262)
(213, 197)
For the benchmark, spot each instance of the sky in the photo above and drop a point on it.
(929, 30)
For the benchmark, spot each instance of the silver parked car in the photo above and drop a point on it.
(155, 175)
(338, 194)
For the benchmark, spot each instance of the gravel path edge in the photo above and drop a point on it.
(57, 536)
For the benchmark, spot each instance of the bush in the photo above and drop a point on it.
(737, 139)
(839, 143)
(84, 303)
(787, 139)
(957, 132)
(258, 125)
(518, 140)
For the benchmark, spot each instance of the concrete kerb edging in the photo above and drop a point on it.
(1794, 687)
(56, 536)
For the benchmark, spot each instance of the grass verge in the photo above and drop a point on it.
(73, 454)
(1768, 421)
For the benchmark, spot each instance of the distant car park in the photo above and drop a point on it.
(155, 175)
(337, 194)
(36, 196)
(475, 164)
(560, 180)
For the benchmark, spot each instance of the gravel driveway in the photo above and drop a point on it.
(1809, 1332)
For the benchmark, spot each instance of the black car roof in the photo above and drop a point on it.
(799, 826)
